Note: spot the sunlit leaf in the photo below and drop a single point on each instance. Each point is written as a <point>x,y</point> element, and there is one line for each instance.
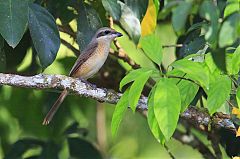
<point>130,22</point>
<point>151,45</point>
<point>131,76</point>
<point>230,30</point>
<point>236,61</point>
<point>231,7</point>
<point>152,121</point>
<point>44,33</point>
<point>180,14</point>
<point>14,17</point>
<point>188,91</point>
<point>166,109</point>
<point>136,89</point>
<point>238,97</point>
<point>149,21</point>
<point>219,90</point>
<point>113,8</point>
<point>195,71</point>
<point>120,108</point>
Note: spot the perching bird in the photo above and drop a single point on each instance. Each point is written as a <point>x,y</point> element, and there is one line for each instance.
<point>88,63</point>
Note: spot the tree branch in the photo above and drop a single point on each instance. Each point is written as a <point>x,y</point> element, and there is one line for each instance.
<point>199,117</point>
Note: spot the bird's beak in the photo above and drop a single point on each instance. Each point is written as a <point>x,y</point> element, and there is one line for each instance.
<point>118,34</point>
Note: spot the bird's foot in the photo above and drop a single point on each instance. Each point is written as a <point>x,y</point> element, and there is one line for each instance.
<point>88,83</point>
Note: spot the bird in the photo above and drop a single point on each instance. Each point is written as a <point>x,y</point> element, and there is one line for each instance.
<point>88,63</point>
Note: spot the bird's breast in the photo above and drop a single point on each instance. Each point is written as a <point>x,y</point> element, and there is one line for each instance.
<point>92,65</point>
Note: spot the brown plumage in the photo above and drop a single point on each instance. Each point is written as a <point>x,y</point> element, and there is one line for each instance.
<point>88,63</point>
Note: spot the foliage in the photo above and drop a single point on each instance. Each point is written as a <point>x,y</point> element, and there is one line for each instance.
<point>205,72</point>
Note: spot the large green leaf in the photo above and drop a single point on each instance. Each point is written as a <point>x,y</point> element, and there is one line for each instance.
<point>188,91</point>
<point>219,90</point>
<point>136,89</point>
<point>2,55</point>
<point>113,8</point>
<point>211,13</point>
<point>167,106</point>
<point>238,96</point>
<point>79,148</point>
<point>152,120</point>
<point>44,33</point>
<point>232,6</point>
<point>120,108</point>
<point>151,45</point>
<point>167,9</point>
<point>180,14</point>
<point>13,20</point>
<point>88,23</point>
<point>131,76</point>
<point>194,70</point>
<point>130,22</point>
<point>236,61</point>
<point>139,7</point>
<point>230,30</point>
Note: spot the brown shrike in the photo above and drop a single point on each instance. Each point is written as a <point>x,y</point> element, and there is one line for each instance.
<point>88,63</point>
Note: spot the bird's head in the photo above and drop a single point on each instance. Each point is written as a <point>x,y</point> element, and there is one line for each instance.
<point>107,34</point>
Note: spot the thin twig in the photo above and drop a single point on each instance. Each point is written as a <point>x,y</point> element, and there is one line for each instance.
<point>173,45</point>
<point>194,142</point>
<point>68,30</point>
<point>71,47</point>
<point>168,151</point>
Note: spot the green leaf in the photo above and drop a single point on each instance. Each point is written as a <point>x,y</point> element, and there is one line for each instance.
<point>195,71</point>
<point>44,33</point>
<point>131,76</point>
<point>136,89</point>
<point>230,30</point>
<point>130,22</point>
<point>211,13</point>
<point>152,120</point>
<point>2,55</point>
<point>138,7</point>
<point>152,47</point>
<point>195,46</point>
<point>167,106</point>
<point>232,6</point>
<point>238,96</point>
<point>13,21</point>
<point>118,113</point>
<point>79,148</point>
<point>188,91</point>
<point>236,61</point>
<point>113,8</point>
<point>180,14</point>
<point>167,9</point>
<point>219,90</point>
<point>88,23</point>
<point>21,146</point>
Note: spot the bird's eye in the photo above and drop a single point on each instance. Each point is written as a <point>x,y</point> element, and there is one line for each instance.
<point>107,32</point>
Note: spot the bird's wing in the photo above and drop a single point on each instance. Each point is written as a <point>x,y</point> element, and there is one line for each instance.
<point>86,53</point>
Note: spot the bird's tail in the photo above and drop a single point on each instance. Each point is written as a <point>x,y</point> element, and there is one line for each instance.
<point>55,107</point>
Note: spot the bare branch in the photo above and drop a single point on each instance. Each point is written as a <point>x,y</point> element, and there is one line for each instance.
<point>199,117</point>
